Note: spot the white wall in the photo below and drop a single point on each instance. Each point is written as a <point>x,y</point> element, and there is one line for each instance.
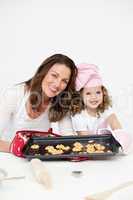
<point>93,31</point>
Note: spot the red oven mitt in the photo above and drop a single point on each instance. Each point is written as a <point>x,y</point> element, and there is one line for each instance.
<point>22,137</point>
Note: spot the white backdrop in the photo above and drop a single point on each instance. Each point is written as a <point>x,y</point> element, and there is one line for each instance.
<point>93,31</point>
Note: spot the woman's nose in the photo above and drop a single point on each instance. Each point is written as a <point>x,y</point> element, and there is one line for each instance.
<point>57,83</point>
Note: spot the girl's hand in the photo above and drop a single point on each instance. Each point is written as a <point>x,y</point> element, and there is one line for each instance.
<point>124,138</point>
<point>113,122</point>
<point>85,132</point>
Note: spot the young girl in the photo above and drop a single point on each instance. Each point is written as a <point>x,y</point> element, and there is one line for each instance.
<point>94,111</point>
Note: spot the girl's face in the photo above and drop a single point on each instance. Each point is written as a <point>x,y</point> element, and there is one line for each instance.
<point>92,97</point>
<point>56,80</point>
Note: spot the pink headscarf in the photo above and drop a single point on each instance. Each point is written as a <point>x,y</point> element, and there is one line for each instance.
<point>88,76</point>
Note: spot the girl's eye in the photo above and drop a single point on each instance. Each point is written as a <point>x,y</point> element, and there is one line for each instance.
<point>98,92</point>
<point>88,93</point>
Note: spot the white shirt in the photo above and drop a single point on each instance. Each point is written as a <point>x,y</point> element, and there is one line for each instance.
<point>85,122</point>
<point>14,117</point>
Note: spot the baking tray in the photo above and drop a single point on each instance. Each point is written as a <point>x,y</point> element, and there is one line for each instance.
<point>106,140</point>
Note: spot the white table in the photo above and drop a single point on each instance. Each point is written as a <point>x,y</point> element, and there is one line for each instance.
<point>97,176</point>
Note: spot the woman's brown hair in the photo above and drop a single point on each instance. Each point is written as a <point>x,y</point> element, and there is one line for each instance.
<point>78,104</point>
<point>60,105</point>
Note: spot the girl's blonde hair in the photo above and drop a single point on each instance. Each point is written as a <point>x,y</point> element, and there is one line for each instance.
<point>107,101</point>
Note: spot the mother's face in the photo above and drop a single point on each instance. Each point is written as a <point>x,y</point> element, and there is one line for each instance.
<point>56,80</point>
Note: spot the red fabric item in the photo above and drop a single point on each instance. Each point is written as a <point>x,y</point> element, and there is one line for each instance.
<point>78,159</point>
<point>22,137</point>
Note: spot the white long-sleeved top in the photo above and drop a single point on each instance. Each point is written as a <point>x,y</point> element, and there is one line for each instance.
<point>14,117</point>
<point>85,122</point>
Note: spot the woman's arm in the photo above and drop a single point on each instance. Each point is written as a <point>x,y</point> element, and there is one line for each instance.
<point>65,126</point>
<point>4,146</point>
<point>113,122</point>
<point>8,103</point>
<point>80,125</point>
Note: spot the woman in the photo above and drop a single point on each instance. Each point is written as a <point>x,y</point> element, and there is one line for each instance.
<point>39,102</point>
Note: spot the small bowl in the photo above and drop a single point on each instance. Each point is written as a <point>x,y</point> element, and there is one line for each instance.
<point>3,174</point>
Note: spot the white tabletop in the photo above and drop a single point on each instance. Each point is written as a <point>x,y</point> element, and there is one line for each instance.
<point>97,175</point>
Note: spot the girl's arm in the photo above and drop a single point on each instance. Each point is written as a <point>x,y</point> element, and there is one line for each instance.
<point>85,133</point>
<point>113,122</point>
<point>79,123</point>
<point>65,126</point>
<point>4,146</point>
<point>121,135</point>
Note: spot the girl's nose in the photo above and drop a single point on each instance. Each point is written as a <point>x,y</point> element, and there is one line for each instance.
<point>93,96</point>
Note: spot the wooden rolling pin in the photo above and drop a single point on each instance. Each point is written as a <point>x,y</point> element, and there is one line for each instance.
<point>40,173</point>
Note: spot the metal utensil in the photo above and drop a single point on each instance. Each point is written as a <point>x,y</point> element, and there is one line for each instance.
<point>77,173</point>
<point>13,178</point>
<point>4,176</point>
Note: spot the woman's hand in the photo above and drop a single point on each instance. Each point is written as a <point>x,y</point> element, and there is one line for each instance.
<point>4,146</point>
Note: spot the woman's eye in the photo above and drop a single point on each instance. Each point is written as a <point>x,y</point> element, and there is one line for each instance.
<point>54,75</point>
<point>65,81</point>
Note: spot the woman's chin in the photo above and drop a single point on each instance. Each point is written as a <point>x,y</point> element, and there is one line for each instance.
<point>51,94</point>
